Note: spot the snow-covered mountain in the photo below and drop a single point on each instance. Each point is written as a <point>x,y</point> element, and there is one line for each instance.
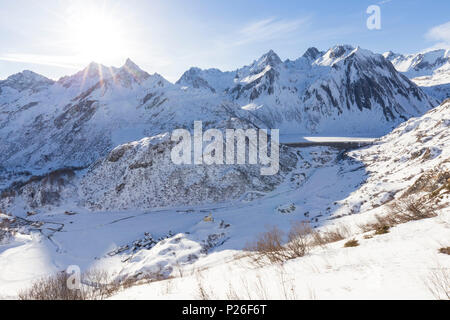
<point>25,83</point>
<point>340,91</point>
<point>80,118</point>
<point>69,127</point>
<point>429,70</point>
<point>46,125</point>
<point>420,64</point>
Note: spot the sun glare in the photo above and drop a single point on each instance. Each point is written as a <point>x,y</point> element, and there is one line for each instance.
<point>96,34</point>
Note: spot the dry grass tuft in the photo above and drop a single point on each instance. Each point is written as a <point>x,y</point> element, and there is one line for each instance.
<point>339,233</point>
<point>352,243</point>
<point>382,229</point>
<point>438,282</point>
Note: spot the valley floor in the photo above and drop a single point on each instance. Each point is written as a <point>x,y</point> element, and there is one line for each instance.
<point>203,256</point>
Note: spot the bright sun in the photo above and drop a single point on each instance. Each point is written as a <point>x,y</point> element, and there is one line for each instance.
<point>95,34</point>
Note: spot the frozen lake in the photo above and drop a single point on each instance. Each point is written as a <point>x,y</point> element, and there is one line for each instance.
<point>338,142</point>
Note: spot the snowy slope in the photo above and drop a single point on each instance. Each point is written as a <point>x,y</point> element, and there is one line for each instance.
<point>398,265</point>
<point>412,160</point>
<point>417,152</point>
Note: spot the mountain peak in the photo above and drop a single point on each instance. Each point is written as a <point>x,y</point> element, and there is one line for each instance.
<point>29,75</point>
<point>132,69</point>
<point>94,68</point>
<point>129,64</point>
<point>335,54</point>
<point>269,58</point>
<point>26,80</point>
<point>389,55</point>
<point>312,53</point>
<point>340,50</point>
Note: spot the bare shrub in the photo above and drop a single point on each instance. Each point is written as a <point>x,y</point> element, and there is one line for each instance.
<point>99,285</point>
<point>299,240</point>
<point>383,221</point>
<point>269,247</point>
<point>400,211</point>
<point>438,282</point>
<point>52,288</point>
<point>382,224</point>
<point>95,285</point>
<point>366,227</point>
<point>143,278</point>
<point>261,289</point>
<point>410,209</point>
<point>445,250</point>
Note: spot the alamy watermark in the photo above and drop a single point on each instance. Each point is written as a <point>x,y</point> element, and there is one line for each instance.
<point>74,277</point>
<point>374,20</point>
<point>228,150</point>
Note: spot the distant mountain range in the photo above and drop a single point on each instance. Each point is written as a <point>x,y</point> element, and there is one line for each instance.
<point>78,119</point>
<point>429,70</point>
<point>344,90</point>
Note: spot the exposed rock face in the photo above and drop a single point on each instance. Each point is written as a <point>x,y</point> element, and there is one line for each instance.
<point>141,175</point>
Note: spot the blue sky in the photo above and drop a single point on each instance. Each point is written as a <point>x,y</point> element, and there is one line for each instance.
<point>60,37</point>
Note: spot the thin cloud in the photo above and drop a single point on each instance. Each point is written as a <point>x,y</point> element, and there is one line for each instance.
<point>440,33</point>
<point>54,61</point>
<point>269,29</point>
